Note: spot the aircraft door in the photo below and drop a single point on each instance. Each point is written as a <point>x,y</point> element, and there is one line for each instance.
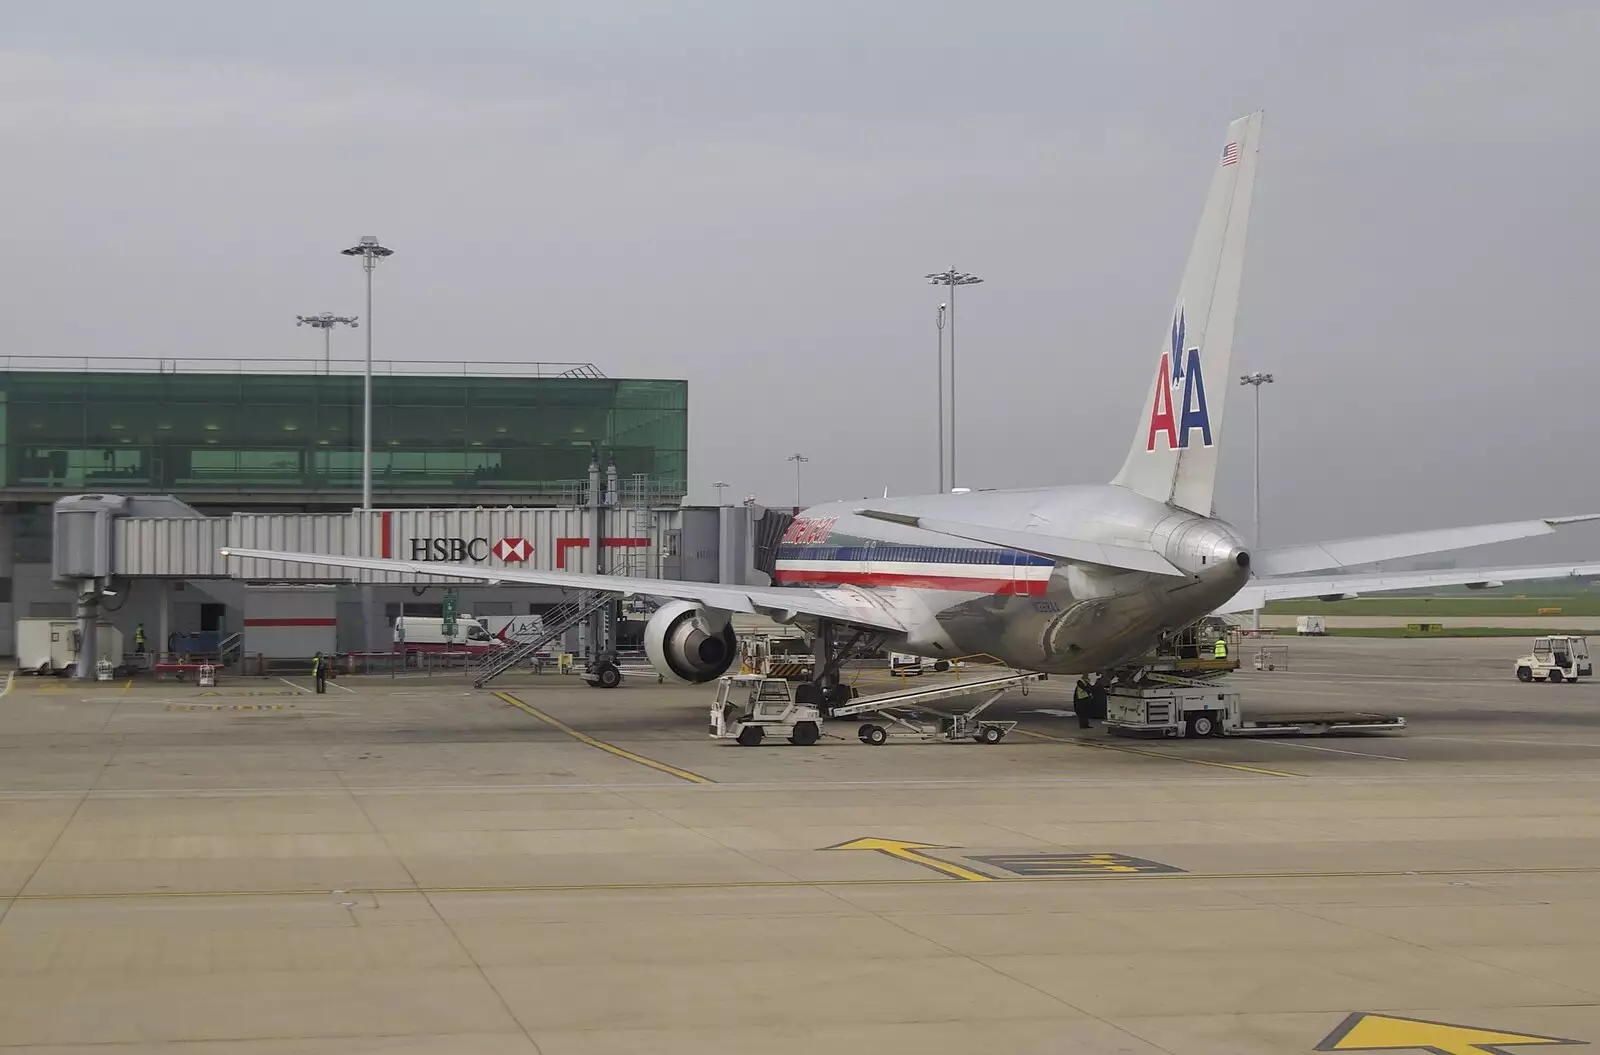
<point>1028,575</point>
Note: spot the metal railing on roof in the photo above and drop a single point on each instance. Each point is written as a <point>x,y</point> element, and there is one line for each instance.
<point>305,365</point>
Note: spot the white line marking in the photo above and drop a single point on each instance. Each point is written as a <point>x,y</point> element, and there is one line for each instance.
<point>1493,740</point>
<point>1412,778</point>
<point>293,686</point>
<point>1332,750</point>
<point>336,685</point>
<point>1293,675</point>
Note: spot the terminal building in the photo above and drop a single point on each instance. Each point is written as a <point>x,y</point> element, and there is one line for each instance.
<point>481,462</point>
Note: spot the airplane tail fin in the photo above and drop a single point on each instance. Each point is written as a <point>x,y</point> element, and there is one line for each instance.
<point>1174,454</point>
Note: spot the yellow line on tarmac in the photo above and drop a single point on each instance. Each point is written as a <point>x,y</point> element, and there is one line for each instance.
<point>585,738</point>
<point>904,850</point>
<point>1157,754</point>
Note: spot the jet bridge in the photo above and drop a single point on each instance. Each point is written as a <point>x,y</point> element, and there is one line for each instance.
<point>102,542</point>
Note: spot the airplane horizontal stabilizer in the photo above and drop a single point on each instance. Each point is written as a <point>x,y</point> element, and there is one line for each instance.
<point>1261,591</point>
<point>1349,553</point>
<point>1056,547</point>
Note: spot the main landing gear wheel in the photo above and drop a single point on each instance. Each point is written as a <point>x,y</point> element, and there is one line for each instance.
<point>805,734</point>
<point>876,735</point>
<point>751,736</point>
<point>990,734</point>
<point>607,676</point>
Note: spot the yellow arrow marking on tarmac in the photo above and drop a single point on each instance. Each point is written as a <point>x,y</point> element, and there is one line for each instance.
<point>1364,1032</point>
<point>907,851</point>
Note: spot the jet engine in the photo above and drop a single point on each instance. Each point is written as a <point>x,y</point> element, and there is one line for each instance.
<point>689,642</point>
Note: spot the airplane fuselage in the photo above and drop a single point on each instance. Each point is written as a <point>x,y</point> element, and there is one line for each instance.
<point>965,598</point>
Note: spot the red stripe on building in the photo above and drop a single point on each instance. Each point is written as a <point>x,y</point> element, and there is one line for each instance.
<point>967,584</point>
<point>583,543</point>
<point>383,532</point>
<point>291,622</point>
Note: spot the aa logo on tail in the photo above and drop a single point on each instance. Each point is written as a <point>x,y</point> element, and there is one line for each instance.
<point>1179,370</point>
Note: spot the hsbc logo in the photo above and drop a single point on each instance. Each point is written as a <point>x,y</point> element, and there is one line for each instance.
<point>475,550</point>
<point>513,550</point>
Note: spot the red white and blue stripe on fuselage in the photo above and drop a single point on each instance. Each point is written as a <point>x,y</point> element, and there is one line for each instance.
<point>965,569</point>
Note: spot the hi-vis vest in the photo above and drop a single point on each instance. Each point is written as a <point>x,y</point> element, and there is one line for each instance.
<point>1220,649</point>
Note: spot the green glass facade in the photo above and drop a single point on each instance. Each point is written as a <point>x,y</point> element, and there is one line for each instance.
<point>189,432</point>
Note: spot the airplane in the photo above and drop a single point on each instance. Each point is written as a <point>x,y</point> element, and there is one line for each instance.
<point>1060,580</point>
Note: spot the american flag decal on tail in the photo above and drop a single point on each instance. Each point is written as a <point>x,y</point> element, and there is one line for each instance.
<point>1230,153</point>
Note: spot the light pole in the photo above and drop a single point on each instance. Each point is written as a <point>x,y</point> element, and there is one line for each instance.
<point>1255,381</point>
<point>799,460</point>
<point>326,322</point>
<point>938,323</point>
<point>370,253</point>
<point>952,278</point>
<point>720,486</point>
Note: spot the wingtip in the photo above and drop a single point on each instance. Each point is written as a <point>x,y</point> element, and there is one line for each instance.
<point>1582,518</point>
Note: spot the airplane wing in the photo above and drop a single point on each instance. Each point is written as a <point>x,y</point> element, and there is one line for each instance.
<point>1054,546</point>
<point>842,605</point>
<point>1348,553</point>
<point>1260,591</point>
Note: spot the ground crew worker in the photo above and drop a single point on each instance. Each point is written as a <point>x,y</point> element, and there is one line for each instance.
<point>1099,698</point>
<point>1083,701</point>
<point>319,671</point>
<point>138,640</point>
<point>1220,649</point>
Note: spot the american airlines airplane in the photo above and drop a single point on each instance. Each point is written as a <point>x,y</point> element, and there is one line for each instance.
<point>1064,580</point>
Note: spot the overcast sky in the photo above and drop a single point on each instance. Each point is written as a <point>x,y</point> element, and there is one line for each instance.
<point>747,194</point>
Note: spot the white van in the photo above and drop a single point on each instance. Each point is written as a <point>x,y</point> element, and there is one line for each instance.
<point>418,633</point>
<point>509,629</point>
<point>904,664</point>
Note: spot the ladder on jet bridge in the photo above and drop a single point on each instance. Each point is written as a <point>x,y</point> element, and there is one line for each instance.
<point>556,623</point>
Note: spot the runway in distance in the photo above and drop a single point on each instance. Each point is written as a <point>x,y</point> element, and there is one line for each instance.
<point>1064,580</point>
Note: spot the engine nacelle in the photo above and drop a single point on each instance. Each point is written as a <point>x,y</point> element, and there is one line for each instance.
<point>689,642</point>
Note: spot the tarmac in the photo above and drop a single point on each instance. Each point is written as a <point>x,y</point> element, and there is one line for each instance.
<point>410,865</point>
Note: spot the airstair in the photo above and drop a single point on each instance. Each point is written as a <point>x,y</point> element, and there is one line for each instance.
<point>556,623</point>
<point>230,648</point>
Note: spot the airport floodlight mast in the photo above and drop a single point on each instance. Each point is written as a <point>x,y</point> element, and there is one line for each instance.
<point>721,487</point>
<point>370,253</point>
<point>799,460</point>
<point>326,322</point>
<point>952,278</point>
<point>1255,381</point>
<point>938,323</point>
